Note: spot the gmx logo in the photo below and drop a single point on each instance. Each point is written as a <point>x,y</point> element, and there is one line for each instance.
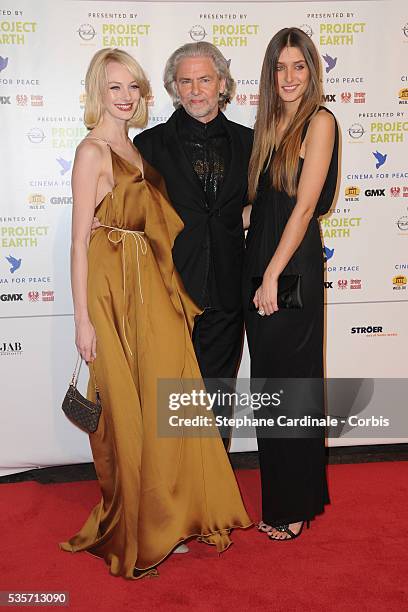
<point>14,263</point>
<point>381,159</point>
<point>330,62</point>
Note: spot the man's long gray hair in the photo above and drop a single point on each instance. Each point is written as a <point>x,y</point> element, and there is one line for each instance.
<point>199,49</point>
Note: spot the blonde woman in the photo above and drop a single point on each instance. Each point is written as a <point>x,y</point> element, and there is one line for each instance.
<point>133,321</point>
<point>292,180</point>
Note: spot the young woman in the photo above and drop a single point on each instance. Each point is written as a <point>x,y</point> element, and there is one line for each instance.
<point>292,180</point>
<point>133,321</point>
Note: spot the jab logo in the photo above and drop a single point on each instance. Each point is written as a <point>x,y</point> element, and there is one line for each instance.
<point>330,62</point>
<point>381,159</point>
<point>327,253</point>
<point>11,348</point>
<point>14,263</point>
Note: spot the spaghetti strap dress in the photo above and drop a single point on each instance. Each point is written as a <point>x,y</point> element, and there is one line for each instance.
<point>289,345</point>
<point>156,491</point>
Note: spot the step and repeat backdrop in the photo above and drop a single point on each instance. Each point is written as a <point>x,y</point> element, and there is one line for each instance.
<point>45,48</point>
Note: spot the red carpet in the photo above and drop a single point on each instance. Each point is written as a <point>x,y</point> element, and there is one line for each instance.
<point>354,557</point>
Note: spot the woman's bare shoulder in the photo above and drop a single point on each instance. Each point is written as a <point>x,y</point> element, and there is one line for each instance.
<point>322,121</point>
<point>90,151</point>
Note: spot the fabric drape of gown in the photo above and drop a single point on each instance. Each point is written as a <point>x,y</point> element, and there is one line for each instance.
<point>289,345</point>
<point>156,491</point>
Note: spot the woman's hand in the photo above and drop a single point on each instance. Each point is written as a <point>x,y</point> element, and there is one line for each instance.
<point>85,340</point>
<point>266,296</point>
<point>95,224</point>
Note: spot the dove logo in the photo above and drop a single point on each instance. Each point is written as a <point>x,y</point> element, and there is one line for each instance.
<point>65,165</point>
<point>3,63</point>
<point>330,62</point>
<point>197,33</point>
<point>381,159</point>
<point>14,263</point>
<point>327,253</point>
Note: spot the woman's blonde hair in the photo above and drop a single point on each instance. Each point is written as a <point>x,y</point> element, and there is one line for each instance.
<point>283,170</point>
<point>96,83</point>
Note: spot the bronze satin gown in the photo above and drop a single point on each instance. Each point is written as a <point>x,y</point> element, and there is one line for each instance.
<point>156,492</point>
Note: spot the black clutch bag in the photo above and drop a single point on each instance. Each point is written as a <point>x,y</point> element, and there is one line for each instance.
<point>82,412</point>
<point>289,291</point>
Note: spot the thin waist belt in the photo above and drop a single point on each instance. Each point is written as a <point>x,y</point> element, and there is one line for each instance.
<point>141,244</point>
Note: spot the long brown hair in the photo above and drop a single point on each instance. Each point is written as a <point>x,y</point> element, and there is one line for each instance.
<point>283,171</point>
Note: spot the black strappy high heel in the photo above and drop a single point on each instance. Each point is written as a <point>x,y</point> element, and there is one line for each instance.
<point>291,534</point>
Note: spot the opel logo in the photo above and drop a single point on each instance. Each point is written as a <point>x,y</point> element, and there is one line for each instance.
<point>86,31</point>
<point>356,131</point>
<point>197,33</point>
<point>35,135</point>
<point>307,30</point>
<point>402,223</point>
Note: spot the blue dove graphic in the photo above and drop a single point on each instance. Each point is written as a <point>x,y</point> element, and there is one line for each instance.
<point>15,263</point>
<point>330,61</point>
<point>65,165</point>
<point>380,159</point>
<point>3,63</point>
<point>328,253</point>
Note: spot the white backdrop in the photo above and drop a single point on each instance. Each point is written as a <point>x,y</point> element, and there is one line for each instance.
<point>45,47</point>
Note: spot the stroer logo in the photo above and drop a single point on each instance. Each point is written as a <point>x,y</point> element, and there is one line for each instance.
<point>370,329</point>
<point>11,348</point>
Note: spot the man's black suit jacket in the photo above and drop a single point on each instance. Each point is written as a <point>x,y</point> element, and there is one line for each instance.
<point>161,147</point>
